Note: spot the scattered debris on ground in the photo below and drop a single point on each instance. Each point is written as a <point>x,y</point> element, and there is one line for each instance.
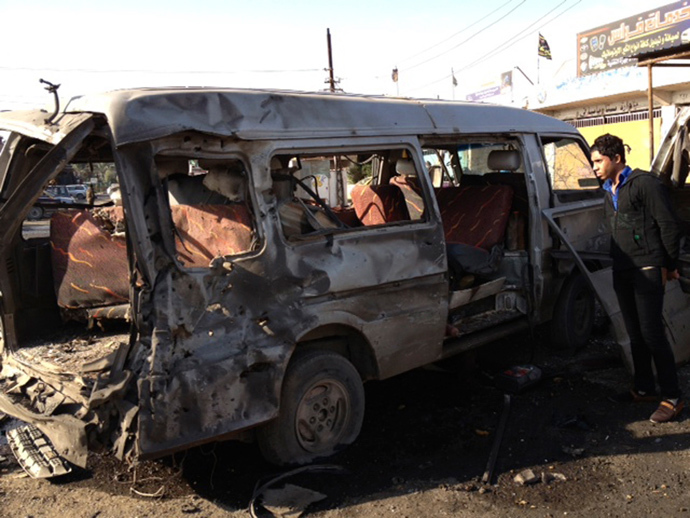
<point>424,446</point>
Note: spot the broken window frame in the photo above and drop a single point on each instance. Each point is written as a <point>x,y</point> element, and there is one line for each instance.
<point>337,149</point>
<point>195,146</point>
<point>592,183</point>
<point>455,171</point>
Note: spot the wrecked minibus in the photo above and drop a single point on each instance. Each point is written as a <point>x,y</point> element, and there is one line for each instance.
<point>272,252</point>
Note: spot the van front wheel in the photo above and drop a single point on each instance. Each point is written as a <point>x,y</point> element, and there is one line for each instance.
<point>321,410</point>
<point>573,315</point>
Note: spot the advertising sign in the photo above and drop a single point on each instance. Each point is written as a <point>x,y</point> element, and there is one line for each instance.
<point>505,87</point>
<point>612,45</point>
<point>492,91</point>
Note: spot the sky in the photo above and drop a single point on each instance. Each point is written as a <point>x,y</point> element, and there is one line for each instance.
<point>93,46</point>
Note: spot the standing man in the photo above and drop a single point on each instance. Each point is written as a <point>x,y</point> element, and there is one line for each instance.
<point>645,243</point>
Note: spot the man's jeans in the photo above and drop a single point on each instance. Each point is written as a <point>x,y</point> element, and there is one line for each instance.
<point>640,295</point>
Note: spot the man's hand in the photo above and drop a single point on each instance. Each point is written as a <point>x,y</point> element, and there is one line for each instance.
<point>668,276</point>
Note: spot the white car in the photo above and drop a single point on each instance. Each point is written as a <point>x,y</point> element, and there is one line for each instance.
<point>78,191</point>
<point>51,199</point>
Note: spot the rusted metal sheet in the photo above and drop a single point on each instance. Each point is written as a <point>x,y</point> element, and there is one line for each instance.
<point>67,433</point>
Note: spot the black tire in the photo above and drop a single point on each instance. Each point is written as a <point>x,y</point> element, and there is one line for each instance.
<point>573,314</point>
<point>321,410</point>
<point>35,213</point>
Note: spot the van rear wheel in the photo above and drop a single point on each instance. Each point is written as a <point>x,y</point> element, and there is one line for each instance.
<point>321,410</point>
<point>573,315</point>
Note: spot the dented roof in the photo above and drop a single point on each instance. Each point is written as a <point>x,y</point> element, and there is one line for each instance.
<point>142,114</point>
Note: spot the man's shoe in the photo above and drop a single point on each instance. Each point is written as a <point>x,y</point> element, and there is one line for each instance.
<point>666,411</point>
<point>632,396</point>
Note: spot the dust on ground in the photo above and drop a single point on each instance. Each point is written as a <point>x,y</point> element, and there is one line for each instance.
<point>423,449</point>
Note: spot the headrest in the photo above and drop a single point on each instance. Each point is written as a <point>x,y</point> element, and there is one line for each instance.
<point>504,160</point>
<point>405,166</point>
<point>228,183</point>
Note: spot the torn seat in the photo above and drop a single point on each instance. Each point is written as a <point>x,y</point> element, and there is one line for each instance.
<point>379,204</point>
<point>474,224</point>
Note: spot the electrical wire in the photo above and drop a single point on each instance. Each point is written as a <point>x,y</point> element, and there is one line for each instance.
<point>504,46</point>
<point>134,71</point>
<point>467,39</point>
<point>508,43</point>
<point>454,35</point>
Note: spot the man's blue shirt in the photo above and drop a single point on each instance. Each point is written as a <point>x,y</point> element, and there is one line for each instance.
<point>608,185</point>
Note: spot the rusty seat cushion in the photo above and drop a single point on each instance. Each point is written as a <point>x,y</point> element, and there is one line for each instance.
<point>412,191</point>
<point>207,231</point>
<point>379,204</point>
<point>90,267</point>
<point>475,215</point>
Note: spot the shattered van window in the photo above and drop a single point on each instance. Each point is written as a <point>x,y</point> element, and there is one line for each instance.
<point>468,160</point>
<point>568,166</point>
<point>319,193</point>
<point>211,208</point>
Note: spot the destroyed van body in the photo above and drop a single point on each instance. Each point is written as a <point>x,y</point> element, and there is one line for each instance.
<point>273,251</point>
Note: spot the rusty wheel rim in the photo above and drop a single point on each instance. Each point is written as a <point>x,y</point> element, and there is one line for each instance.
<point>322,415</point>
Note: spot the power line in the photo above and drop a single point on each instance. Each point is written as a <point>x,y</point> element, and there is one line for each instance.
<point>456,34</point>
<point>505,45</point>
<point>468,39</point>
<point>134,71</point>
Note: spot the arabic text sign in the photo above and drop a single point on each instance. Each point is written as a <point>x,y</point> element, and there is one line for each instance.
<point>612,45</point>
<point>484,94</point>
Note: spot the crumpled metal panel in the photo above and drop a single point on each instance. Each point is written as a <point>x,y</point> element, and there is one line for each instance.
<point>138,115</point>
<point>67,433</point>
<point>222,335</point>
<point>32,123</point>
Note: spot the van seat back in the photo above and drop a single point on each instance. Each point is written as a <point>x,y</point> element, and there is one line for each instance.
<point>90,267</point>
<point>412,191</point>
<point>379,204</point>
<point>208,231</point>
<point>475,215</point>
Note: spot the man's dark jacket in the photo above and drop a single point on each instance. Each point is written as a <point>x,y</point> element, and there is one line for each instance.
<point>644,229</point>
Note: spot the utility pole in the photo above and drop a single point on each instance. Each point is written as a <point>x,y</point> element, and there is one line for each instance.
<point>331,79</point>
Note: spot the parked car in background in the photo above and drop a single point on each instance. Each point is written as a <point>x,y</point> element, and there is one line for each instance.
<point>78,191</point>
<point>60,191</point>
<point>49,202</point>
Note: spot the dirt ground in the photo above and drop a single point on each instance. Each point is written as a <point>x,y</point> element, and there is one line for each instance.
<point>424,447</point>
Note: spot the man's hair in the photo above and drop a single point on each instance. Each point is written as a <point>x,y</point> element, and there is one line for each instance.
<point>610,146</point>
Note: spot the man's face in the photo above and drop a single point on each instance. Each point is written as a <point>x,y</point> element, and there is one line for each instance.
<point>604,167</point>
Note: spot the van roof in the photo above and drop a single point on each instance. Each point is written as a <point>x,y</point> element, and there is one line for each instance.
<point>142,114</point>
